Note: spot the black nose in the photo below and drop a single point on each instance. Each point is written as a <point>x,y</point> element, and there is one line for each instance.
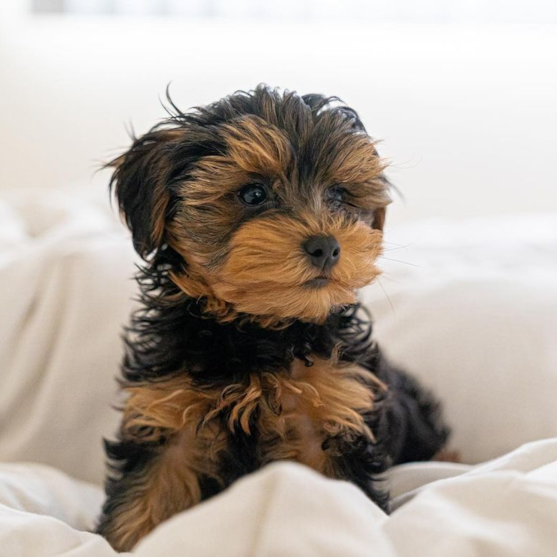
<point>323,251</point>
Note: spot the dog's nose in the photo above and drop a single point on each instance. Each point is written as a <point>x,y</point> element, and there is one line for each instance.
<point>323,251</point>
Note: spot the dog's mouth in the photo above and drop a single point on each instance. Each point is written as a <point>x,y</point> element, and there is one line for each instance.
<point>318,282</point>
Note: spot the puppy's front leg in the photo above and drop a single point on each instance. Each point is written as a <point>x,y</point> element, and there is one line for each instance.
<point>167,458</point>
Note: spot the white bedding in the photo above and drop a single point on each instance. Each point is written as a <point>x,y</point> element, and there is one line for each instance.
<point>477,321</point>
<point>504,508</point>
<point>65,292</point>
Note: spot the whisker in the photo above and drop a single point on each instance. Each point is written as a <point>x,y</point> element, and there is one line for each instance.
<point>398,246</point>
<point>387,296</point>
<point>387,276</point>
<point>392,249</point>
<point>403,262</point>
<point>402,245</point>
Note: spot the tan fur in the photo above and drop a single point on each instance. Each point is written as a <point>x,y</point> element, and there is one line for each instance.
<point>359,164</point>
<point>342,392</point>
<point>170,486</point>
<point>258,147</point>
<point>317,403</point>
<point>293,413</point>
<point>267,270</point>
<point>172,481</point>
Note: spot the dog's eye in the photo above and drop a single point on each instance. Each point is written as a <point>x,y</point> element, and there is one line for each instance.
<point>253,194</point>
<point>335,195</point>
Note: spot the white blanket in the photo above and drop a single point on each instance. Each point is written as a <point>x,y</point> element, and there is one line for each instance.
<point>504,508</point>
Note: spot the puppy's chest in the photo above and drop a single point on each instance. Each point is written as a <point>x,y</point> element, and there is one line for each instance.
<point>291,414</point>
<point>318,404</point>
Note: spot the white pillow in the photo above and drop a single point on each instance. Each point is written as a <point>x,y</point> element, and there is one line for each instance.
<point>471,309</point>
<point>65,292</point>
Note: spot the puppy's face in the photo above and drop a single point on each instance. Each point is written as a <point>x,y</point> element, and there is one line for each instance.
<point>274,201</point>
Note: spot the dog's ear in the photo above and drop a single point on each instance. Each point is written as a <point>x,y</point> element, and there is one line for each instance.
<point>380,213</point>
<point>140,184</point>
<point>379,218</point>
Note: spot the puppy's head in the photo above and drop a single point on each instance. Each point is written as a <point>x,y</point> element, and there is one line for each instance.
<point>274,201</point>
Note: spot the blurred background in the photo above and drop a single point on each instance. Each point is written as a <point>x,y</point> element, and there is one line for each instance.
<point>462,93</point>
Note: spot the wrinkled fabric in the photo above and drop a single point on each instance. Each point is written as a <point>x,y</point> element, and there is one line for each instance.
<point>507,507</point>
<point>66,289</point>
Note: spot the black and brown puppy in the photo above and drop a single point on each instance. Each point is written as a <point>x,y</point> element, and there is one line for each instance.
<point>259,217</point>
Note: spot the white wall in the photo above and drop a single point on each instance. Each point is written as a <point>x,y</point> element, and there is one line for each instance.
<point>468,115</point>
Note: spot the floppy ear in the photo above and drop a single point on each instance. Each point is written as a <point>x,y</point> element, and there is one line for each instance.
<point>379,218</point>
<point>380,213</point>
<point>140,184</point>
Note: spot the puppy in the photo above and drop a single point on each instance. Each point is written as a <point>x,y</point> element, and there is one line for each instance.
<point>258,218</point>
